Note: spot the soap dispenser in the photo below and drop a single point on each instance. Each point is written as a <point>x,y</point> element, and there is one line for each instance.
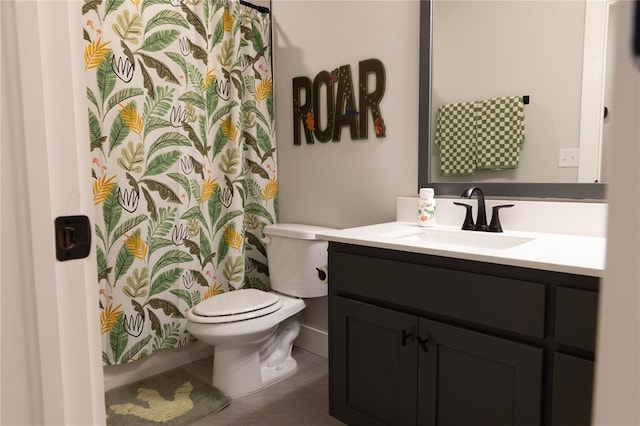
<point>427,208</point>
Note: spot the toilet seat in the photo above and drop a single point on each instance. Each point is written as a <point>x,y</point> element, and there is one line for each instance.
<point>237,305</point>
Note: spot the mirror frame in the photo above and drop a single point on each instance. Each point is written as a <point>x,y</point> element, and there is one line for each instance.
<point>592,191</point>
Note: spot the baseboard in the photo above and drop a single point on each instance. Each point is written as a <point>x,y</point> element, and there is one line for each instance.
<point>313,340</point>
<point>168,359</point>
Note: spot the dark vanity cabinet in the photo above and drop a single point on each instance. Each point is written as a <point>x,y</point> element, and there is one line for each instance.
<point>416,339</point>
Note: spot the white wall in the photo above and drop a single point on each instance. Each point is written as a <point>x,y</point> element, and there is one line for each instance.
<point>347,183</point>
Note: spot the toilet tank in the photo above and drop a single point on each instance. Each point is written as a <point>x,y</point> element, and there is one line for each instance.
<point>297,260</point>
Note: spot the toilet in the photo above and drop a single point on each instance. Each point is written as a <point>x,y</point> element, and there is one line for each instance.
<point>252,331</point>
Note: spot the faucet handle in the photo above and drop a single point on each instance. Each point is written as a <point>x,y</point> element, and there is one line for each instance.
<point>495,225</point>
<point>468,224</point>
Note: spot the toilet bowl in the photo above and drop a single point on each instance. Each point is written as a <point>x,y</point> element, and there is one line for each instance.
<point>252,331</point>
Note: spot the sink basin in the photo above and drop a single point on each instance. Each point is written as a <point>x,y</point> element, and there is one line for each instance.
<point>495,241</point>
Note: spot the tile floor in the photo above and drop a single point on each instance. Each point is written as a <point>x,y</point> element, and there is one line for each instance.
<point>302,399</point>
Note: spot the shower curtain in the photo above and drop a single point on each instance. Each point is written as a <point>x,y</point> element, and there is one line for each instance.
<point>183,161</point>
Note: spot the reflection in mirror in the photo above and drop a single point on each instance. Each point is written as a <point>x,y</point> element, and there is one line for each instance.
<point>614,15</point>
<point>488,49</point>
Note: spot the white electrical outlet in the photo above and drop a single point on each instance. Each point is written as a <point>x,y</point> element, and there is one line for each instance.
<point>569,157</point>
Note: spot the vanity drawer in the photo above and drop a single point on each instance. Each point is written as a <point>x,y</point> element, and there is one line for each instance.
<point>576,317</point>
<point>509,304</point>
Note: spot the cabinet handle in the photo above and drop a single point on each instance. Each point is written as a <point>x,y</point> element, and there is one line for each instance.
<point>405,335</point>
<point>423,343</point>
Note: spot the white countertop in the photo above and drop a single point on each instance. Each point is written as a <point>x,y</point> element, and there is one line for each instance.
<point>571,254</point>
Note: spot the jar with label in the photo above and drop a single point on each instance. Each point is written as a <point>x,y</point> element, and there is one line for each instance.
<point>427,207</point>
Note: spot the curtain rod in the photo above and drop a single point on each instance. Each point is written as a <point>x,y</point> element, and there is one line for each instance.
<point>261,9</point>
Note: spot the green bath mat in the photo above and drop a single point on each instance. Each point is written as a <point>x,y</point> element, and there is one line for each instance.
<point>175,397</point>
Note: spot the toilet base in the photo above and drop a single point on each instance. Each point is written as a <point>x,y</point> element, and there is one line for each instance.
<point>240,371</point>
<point>273,375</point>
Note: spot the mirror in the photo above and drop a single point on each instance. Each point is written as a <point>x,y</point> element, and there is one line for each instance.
<point>556,117</point>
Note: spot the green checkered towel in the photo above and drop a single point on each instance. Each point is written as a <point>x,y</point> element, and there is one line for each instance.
<point>480,135</point>
<point>456,137</point>
<point>499,132</point>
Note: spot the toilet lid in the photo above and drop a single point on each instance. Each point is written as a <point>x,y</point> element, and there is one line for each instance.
<point>238,305</point>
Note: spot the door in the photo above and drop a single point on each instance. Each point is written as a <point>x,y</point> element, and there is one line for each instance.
<point>51,361</point>
<point>617,370</point>
<point>373,359</point>
<point>469,378</point>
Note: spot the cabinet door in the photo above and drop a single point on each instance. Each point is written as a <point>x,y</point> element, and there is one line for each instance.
<point>572,390</point>
<point>469,378</point>
<point>373,364</point>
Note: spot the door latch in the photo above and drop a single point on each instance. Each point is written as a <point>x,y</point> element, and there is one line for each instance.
<point>73,237</point>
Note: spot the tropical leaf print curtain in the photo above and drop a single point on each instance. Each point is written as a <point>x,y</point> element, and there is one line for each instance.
<point>183,161</point>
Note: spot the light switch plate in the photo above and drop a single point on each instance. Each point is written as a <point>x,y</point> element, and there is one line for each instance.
<point>569,157</point>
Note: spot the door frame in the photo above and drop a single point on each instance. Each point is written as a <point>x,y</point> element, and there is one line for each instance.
<point>593,79</point>
<point>50,110</point>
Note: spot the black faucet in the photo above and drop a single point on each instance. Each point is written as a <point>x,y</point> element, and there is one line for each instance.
<point>481,217</point>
